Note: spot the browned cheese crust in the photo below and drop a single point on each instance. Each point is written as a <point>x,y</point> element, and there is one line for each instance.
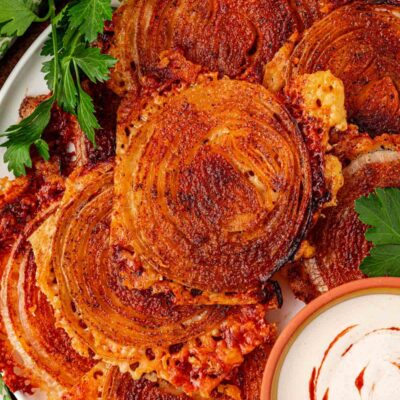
<point>104,382</point>
<point>147,277</point>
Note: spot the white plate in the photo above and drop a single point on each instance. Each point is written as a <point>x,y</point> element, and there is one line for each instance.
<point>27,80</point>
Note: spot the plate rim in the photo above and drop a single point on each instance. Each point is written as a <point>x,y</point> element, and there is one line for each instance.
<point>5,92</point>
<point>33,48</point>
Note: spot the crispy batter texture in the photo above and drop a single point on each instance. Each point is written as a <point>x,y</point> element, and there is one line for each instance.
<point>104,382</point>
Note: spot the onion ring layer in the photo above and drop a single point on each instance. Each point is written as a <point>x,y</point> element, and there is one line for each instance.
<point>33,351</point>
<point>339,241</point>
<point>213,189</point>
<point>42,353</point>
<point>233,37</point>
<point>192,347</point>
<point>360,44</point>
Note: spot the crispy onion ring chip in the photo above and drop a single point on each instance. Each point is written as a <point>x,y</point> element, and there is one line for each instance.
<point>338,239</point>
<point>233,37</point>
<point>41,352</point>
<point>34,353</point>
<point>213,189</point>
<point>192,347</point>
<point>80,249</point>
<point>360,44</point>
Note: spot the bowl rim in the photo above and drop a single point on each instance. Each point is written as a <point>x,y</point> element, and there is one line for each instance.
<point>311,311</point>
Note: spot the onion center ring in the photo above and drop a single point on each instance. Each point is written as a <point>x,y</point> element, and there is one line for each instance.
<point>214,188</point>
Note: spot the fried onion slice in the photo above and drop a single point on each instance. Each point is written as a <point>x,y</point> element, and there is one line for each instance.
<point>40,352</point>
<point>192,347</point>
<point>213,186</point>
<point>360,44</point>
<point>233,37</point>
<point>34,353</point>
<point>338,237</point>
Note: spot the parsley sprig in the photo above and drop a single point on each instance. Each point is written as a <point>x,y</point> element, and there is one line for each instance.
<point>4,392</point>
<point>381,211</point>
<point>72,57</point>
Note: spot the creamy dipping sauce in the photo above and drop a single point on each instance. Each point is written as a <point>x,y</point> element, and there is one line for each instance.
<point>349,352</point>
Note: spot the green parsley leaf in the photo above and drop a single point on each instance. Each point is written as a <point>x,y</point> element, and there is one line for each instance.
<point>22,136</point>
<point>4,392</point>
<point>47,49</point>
<point>381,211</point>
<point>384,260</point>
<point>67,99</point>
<point>88,17</point>
<point>48,70</point>
<point>73,29</point>
<point>95,65</point>
<point>86,117</point>
<point>42,148</point>
<point>61,16</point>
<point>16,17</point>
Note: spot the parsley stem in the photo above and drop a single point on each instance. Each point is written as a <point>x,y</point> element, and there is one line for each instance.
<point>52,10</point>
<point>78,82</point>
<point>44,18</point>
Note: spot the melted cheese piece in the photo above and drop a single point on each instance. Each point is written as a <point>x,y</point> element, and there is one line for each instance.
<point>334,177</point>
<point>275,71</point>
<point>323,96</point>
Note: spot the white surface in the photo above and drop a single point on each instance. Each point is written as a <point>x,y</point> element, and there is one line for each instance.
<point>26,79</point>
<point>378,351</point>
<point>291,306</point>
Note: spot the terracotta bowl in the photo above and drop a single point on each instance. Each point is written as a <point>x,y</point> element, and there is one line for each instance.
<point>308,314</point>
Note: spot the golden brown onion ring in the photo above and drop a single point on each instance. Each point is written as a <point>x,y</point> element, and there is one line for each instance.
<point>33,352</point>
<point>213,189</point>
<point>360,44</point>
<point>339,241</point>
<point>234,37</point>
<point>87,285</point>
<point>41,353</point>
<point>193,347</point>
